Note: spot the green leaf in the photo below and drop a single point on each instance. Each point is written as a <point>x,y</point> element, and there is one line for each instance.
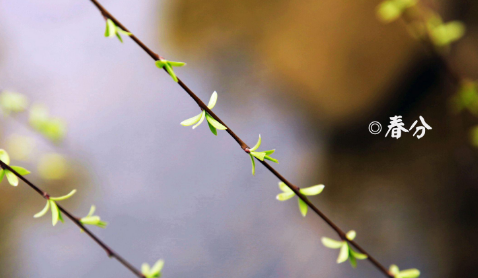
<point>2,174</point>
<point>4,157</point>
<point>270,158</point>
<point>92,210</point>
<point>253,165</point>
<point>257,145</point>
<point>43,211</point>
<point>343,254</point>
<point>110,28</point>
<point>212,101</point>
<point>55,212</point>
<point>409,273</point>
<point>177,64</point>
<point>203,116</point>
<point>394,270</point>
<point>330,243</point>
<point>284,187</point>
<point>20,170</point>
<point>171,71</point>
<point>302,207</point>
<point>352,260</point>
<point>145,269</point>
<point>313,190</point>
<point>285,196</point>
<point>269,152</point>
<point>259,155</point>
<point>64,197</point>
<point>123,32</point>
<point>12,178</point>
<point>158,266</point>
<point>215,123</point>
<point>357,255</point>
<point>212,128</point>
<point>119,37</point>
<point>192,120</point>
<point>351,235</point>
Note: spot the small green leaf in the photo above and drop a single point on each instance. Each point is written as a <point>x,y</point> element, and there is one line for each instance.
<point>285,196</point>
<point>253,165</point>
<point>212,128</point>
<point>409,273</point>
<point>203,116</point>
<point>302,207</point>
<point>284,187</point>
<point>171,72</point>
<point>110,28</point>
<point>352,260</point>
<point>394,270</point>
<point>259,155</point>
<point>178,64</point>
<point>92,210</point>
<point>357,255</point>
<point>4,157</point>
<point>270,158</point>
<point>64,197</point>
<point>192,120</point>
<point>145,269</point>
<point>257,145</point>
<point>344,253</point>
<point>2,174</point>
<point>215,123</point>
<point>269,152</point>
<point>43,211</point>
<point>351,235</point>
<point>20,170</point>
<point>313,190</point>
<point>12,178</point>
<point>212,100</point>
<point>330,243</point>
<point>122,32</point>
<point>55,212</point>
<point>119,37</point>
<point>156,269</point>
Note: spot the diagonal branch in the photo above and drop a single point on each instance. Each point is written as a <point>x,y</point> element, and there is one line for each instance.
<point>109,251</point>
<point>243,145</point>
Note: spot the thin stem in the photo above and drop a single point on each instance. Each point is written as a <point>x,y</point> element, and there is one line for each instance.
<point>243,145</point>
<point>44,194</point>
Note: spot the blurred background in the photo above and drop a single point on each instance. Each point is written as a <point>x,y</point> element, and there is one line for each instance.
<point>309,76</point>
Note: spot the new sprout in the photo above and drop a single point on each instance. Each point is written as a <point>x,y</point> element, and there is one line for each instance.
<point>11,177</point>
<point>346,252</point>
<point>55,211</point>
<point>287,193</point>
<point>197,120</point>
<point>260,155</point>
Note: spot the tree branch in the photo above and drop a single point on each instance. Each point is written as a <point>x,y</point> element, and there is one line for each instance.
<point>243,145</point>
<point>109,251</point>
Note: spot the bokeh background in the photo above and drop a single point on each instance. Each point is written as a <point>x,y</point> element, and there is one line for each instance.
<point>309,76</point>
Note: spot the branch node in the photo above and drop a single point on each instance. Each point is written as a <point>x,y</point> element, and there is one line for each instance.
<point>46,196</point>
<point>247,150</point>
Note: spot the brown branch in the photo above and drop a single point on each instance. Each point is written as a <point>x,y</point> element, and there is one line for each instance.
<point>243,145</point>
<point>109,251</point>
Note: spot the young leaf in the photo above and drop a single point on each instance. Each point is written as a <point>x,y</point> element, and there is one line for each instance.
<point>212,128</point>
<point>4,157</point>
<point>352,260</point>
<point>55,212</point>
<point>357,255</point>
<point>110,28</point>
<point>302,207</point>
<point>192,120</point>
<point>284,187</point>
<point>156,269</point>
<point>64,197</point>
<point>20,170</point>
<point>212,100</point>
<point>253,165</point>
<point>259,155</point>
<point>351,235</point>
<point>330,243</point>
<point>145,269</point>
<point>344,253</point>
<point>203,116</point>
<point>270,158</point>
<point>285,196</point>
<point>257,145</point>
<point>215,123</point>
<point>12,178</point>
<point>313,190</point>
<point>43,211</point>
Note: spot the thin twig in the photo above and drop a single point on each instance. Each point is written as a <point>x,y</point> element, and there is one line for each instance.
<point>244,146</point>
<point>109,251</point>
